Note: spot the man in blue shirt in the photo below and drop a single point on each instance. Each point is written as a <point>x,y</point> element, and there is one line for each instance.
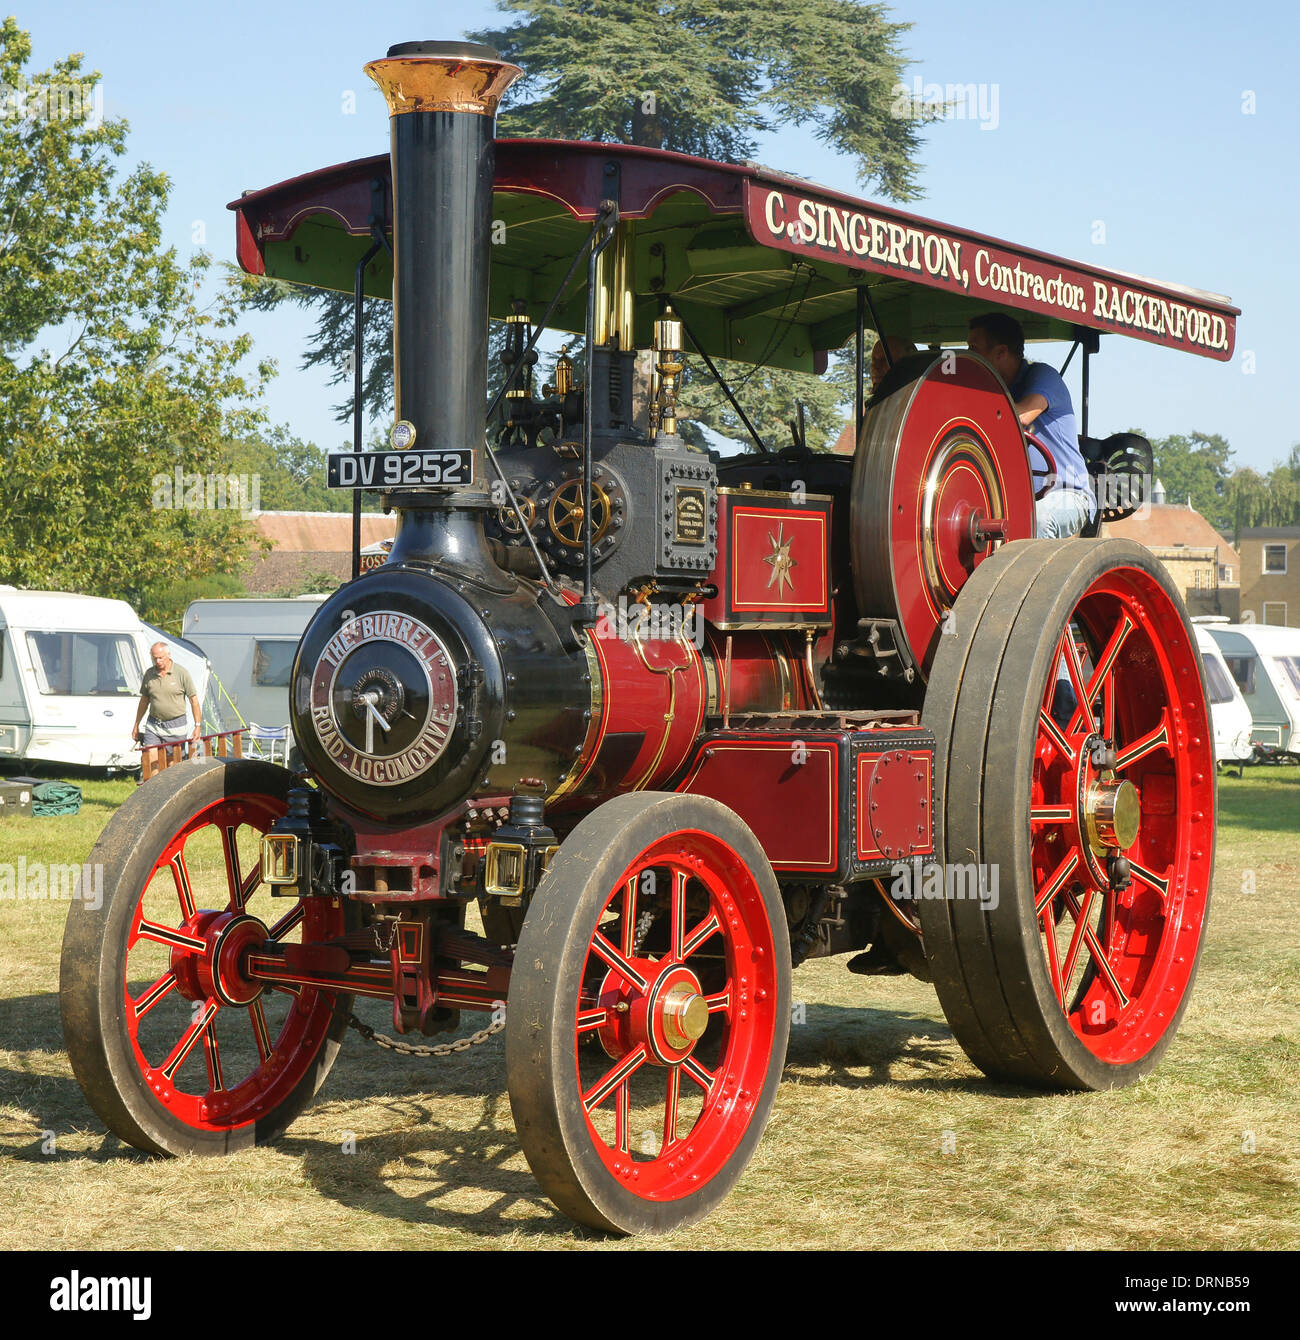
<point>1044,408</point>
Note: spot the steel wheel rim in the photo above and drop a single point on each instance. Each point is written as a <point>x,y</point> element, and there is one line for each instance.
<point>285,1053</point>
<point>741,1016</point>
<point>1122,966</point>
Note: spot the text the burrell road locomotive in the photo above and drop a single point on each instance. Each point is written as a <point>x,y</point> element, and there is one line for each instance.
<point>673,723</point>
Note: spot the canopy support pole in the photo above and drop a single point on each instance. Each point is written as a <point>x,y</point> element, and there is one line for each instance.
<point>1083,419</point>
<point>585,612</point>
<point>1089,341</point>
<point>859,411</point>
<point>358,352</point>
<point>865,292</point>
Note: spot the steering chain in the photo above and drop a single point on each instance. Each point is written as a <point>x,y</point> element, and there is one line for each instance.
<point>426,1049</point>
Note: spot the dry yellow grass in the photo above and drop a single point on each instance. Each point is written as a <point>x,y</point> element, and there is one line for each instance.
<point>852,1157</point>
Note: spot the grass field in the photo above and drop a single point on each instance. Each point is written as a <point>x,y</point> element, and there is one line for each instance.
<point>1205,1153</point>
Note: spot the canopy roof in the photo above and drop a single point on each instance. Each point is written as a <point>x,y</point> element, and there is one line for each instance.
<point>764,267</point>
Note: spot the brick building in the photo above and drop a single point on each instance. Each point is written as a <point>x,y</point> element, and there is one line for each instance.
<point>1270,574</point>
<point>309,544</point>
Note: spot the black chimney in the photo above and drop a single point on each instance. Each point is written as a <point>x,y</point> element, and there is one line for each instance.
<point>442,99</point>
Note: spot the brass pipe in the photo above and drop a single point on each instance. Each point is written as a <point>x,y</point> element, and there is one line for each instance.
<point>614,292</point>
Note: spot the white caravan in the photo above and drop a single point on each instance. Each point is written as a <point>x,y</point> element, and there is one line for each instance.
<point>1230,717</point>
<point>250,643</point>
<point>70,673</point>
<point>1264,659</point>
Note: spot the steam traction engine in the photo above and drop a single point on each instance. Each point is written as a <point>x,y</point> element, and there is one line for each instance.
<point>670,723</point>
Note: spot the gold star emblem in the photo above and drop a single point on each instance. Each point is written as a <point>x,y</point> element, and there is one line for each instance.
<point>780,561</point>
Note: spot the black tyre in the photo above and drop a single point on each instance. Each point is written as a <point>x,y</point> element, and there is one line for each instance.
<point>1088,802</point>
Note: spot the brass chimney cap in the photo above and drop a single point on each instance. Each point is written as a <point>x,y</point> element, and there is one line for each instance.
<point>442,77</point>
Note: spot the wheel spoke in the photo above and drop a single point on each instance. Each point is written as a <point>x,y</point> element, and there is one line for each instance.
<point>679,914</point>
<point>1108,707</point>
<point>1080,929</point>
<point>261,1033</point>
<point>1053,732</point>
<point>720,1002</point>
<point>166,935</point>
<point>1051,814</point>
<point>184,890</point>
<point>1160,883</point>
<point>709,926</point>
<point>1154,739</point>
<point>188,1040</point>
<point>212,1055</point>
<point>615,1077</point>
<point>704,1078</point>
<point>1048,923</point>
<point>1106,663</point>
<point>589,1019</point>
<point>253,880</point>
<point>670,1106</point>
<point>620,1117</point>
<point>154,994</point>
<point>629,916</point>
<point>603,949</point>
<point>287,922</point>
<point>1056,881</point>
<point>1071,653</point>
<point>231,852</point>
<point>1098,953</point>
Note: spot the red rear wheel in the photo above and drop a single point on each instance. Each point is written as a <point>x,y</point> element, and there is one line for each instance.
<point>1073,732</point>
<point>176,1049</point>
<point>645,1040</point>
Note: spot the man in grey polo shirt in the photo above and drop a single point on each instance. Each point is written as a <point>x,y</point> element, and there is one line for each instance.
<point>163,694</point>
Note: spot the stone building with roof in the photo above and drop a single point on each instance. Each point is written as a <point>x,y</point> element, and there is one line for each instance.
<point>1205,567</point>
<point>1270,574</point>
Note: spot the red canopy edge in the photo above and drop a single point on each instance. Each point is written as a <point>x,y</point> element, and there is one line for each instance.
<point>787,214</point>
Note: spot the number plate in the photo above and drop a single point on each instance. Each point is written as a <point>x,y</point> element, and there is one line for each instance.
<point>399,469</point>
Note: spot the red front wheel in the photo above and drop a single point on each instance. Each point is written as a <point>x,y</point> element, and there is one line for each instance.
<point>1076,758</point>
<point>175,1048</point>
<point>649,1013</point>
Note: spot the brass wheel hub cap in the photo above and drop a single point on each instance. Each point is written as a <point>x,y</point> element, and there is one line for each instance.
<point>684,1015</point>
<point>1112,814</point>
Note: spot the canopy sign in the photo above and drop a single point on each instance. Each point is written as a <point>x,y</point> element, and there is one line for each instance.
<point>889,242</point>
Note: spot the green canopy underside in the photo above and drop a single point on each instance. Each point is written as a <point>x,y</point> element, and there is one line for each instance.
<point>741,301</point>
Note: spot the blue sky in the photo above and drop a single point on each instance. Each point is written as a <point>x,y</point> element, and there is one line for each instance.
<point>1131,119</point>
